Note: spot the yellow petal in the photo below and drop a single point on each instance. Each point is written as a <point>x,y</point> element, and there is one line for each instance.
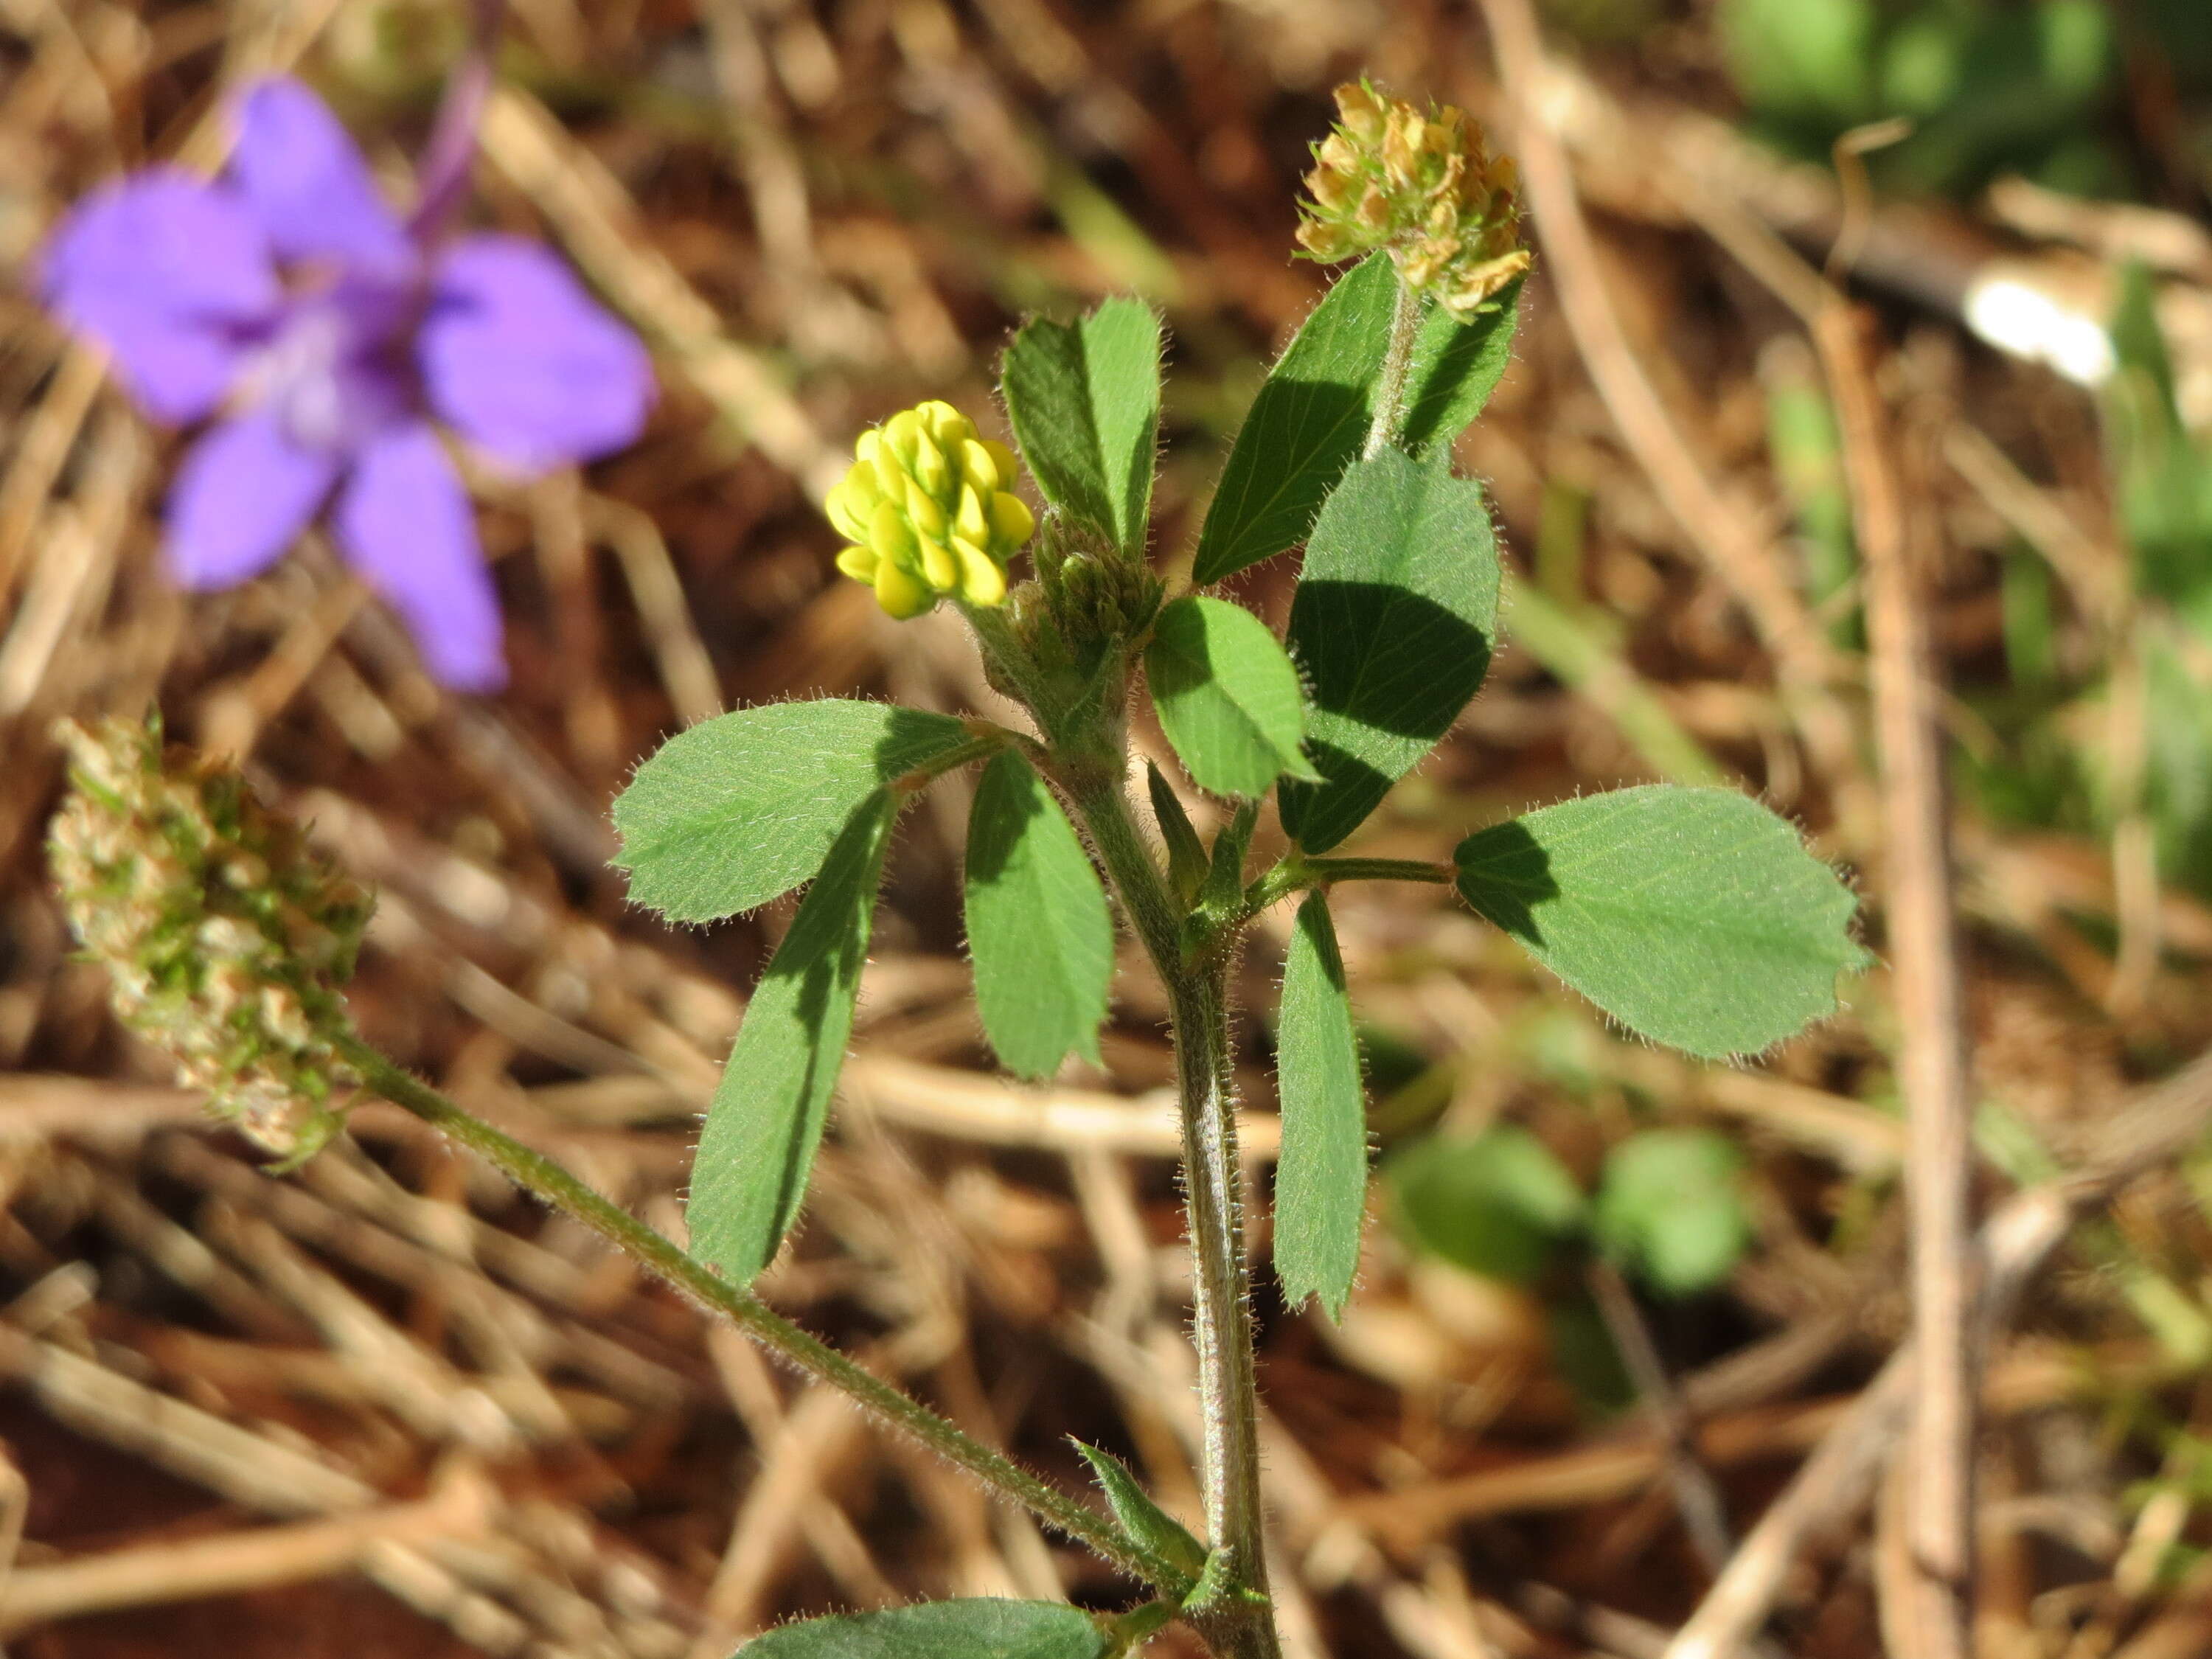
<point>890,473</point>
<point>982,580</point>
<point>1011,521</point>
<point>850,504</point>
<point>1003,459</point>
<point>901,592</point>
<point>858,562</point>
<point>890,536</point>
<point>932,470</point>
<point>969,520</point>
<point>927,517</point>
<point>979,468</point>
<point>938,568</point>
<point>903,432</point>
<point>863,447</point>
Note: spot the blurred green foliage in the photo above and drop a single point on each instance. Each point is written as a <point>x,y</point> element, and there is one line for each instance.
<point>1669,1211</point>
<point>1990,86</point>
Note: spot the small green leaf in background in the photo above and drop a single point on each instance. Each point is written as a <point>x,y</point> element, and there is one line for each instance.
<point>1038,930</point>
<point>1227,697</point>
<point>1805,64</point>
<point>1145,1522</point>
<point>1321,1180</point>
<point>983,1628</point>
<point>745,807</point>
<point>749,1177</point>
<point>2164,478</point>
<point>1695,917</point>
<point>1396,608</point>
<point>1455,367</point>
<point>1670,1209</point>
<point>1498,1203</point>
<point>1085,401</point>
<point>1307,423</point>
<point>1187,862</point>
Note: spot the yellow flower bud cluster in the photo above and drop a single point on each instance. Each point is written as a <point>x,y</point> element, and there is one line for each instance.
<point>929,510</point>
<point>1423,186</point>
<point>225,939</point>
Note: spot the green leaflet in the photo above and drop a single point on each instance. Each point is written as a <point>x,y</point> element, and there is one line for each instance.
<point>1227,697</point>
<point>1311,417</point>
<point>1396,612</point>
<point>1455,367</point>
<point>749,1177</point>
<point>743,807</point>
<point>1085,401</point>
<point>1321,1180</point>
<point>1496,1203</point>
<point>1038,930</point>
<point>977,1629</point>
<point>1670,1209</point>
<point>1308,421</point>
<point>1695,917</point>
<point>1144,1521</point>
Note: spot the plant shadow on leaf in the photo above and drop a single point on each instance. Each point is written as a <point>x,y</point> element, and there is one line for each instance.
<point>1434,663</point>
<point>1437,659</point>
<point>1513,874</point>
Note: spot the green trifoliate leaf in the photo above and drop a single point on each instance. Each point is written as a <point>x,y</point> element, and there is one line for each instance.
<point>743,807</point>
<point>1038,930</point>
<point>1187,864</point>
<point>1321,1180</point>
<point>1496,1203</point>
<point>979,1629</point>
<point>1396,608</point>
<point>1085,401</point>
<point>749,1177</point>
<point>1695,917</point>
<point>1145,1522</point>
<point>1455,367</point>
<point>1227,697</point>
<point>1311,417</point>
<point>1670,1209</point>
<point>1307,423</point>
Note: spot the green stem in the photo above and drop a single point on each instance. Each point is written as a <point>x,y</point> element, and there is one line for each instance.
<point>1294,874</point>
<point>1239,1624</point>
<point>543,1178</point>
<point>1397,365</point>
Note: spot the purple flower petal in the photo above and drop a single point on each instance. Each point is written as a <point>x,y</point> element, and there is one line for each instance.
<point>524,363</point>
<point>243,493</point>
<point>299,172</point>
<point>172,276</point>
<point>404,522</point>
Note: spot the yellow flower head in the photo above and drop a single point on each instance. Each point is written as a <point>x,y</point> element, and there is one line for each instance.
<point>929,510</point>
<point>1423,184</point>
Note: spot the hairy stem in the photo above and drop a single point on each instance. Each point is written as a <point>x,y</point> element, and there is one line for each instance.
<point>1239,1624</point>
<point>1397,364</point>
<point>548,1180</point>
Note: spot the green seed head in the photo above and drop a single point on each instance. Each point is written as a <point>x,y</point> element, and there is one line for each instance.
<point>224,938</point>
<point>929,509</point>
<point>1426,187</point>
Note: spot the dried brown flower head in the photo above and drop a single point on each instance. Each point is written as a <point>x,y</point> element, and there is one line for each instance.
<point>224,936</point>
<point>1425,187</point>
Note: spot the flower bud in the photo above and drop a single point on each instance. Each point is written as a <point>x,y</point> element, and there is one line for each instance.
<point>929,509</point>
<point>1423,186</point>
<point>224,938</point>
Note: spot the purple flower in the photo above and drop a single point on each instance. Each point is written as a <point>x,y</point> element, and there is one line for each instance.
<point>328,333</point>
